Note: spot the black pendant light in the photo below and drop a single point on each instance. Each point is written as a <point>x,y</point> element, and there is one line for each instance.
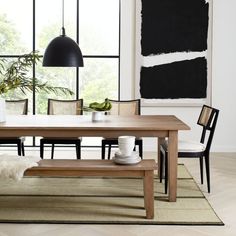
<point>63,51</point>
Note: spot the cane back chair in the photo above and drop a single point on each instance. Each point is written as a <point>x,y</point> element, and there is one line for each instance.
<point>16,107</point>
<point>187,149</point>
<point>127,107</point>
<point>63,107</point>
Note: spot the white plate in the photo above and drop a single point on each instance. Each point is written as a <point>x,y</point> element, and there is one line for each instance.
<point>127,161</point>
<point>119,155</point>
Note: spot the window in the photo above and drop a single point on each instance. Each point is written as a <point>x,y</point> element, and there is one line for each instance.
<point>94,24</point>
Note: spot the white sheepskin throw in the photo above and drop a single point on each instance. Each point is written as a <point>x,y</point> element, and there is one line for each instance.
<point>13,167</point>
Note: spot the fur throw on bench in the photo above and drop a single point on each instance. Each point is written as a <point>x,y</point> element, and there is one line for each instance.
<point>13,167</point>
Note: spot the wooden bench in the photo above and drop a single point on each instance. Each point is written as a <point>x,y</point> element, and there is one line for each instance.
<point>144,169</point>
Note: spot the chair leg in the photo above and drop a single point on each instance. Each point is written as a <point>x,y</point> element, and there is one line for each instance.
<point>161,166</point>
<point>41,149</point>
<point>52,152</point>
<point>207,160</point>
<point>23,149</point>
<point>201,168</point>
<point>78,151</point>
<point>19,148</point>
<point>109,151</point>
<point>103,150</point>
<point>141,150</point>
<point>163,163</point>
<point>166,173</point>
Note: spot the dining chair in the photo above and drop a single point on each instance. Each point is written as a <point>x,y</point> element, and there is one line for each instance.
<point>188,149</point>
<point>63,107</point>
<point>16,107</point>
<point>125,107</point>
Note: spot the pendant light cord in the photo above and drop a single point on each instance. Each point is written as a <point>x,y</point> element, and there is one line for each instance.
<point>63,28</point>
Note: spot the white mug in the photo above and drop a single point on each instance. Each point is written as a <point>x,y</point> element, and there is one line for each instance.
<point>126,145</point>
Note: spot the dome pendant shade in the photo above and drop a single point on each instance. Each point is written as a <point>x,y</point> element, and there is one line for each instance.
<point>63,52</point>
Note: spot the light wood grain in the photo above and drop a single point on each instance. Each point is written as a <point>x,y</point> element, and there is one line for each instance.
<point>76,168</point>
<point>43,125</point>
<point>172,171</point>
<point>148,194</point>
<point>159,126</point>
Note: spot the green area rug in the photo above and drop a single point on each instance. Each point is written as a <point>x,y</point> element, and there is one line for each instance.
<point>102,201</point>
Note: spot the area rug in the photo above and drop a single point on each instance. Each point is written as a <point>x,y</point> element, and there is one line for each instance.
<point>102,201</point>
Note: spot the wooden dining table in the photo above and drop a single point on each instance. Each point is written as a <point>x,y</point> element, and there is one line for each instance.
<point>158,126</point>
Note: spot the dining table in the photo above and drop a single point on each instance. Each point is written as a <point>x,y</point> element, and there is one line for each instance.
<point>160,127</point>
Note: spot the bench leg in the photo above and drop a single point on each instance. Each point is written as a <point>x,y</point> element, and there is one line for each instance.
<point>148,193</point>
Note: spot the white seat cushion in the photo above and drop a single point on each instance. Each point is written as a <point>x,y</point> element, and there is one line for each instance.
<point>189,146</point>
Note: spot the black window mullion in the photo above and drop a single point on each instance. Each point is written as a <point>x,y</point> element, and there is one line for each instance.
<point>33,45</point>
<point>33,72</point>
<point>77,40</point>
<point>119,50</point>
<point>77,90</point>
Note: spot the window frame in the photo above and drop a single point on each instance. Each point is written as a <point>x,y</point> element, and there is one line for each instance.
<point>77,74</point>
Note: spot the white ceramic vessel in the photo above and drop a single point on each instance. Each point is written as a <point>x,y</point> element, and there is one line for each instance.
<point>126,145</point>
<point>97,115</point>
<point>134,158</point>
<point>127,161</point>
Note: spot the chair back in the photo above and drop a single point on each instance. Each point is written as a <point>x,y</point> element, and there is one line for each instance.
<point>17,107</point>
<point>208,119</point>
<point>65,107</point>
<point>127,107</point>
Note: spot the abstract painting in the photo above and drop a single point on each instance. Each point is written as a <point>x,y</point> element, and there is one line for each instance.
<point>173,46</point>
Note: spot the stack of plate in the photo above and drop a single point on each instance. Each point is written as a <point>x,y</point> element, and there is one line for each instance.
<point>134,158</point>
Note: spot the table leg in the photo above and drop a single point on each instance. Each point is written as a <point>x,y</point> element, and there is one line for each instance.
<point>172,164</point>
<point>148,193</point>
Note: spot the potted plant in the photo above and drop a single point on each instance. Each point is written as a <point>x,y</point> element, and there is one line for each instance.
<point>15,75</point>
<point>98,109</point>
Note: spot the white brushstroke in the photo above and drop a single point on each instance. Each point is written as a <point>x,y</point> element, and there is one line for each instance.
<point>154,60</point>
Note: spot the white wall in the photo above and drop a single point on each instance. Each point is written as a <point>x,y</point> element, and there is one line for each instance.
<point>223,76</point>
<point>127,48</point>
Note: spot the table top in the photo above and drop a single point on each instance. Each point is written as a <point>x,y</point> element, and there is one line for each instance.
<point>139,122</point>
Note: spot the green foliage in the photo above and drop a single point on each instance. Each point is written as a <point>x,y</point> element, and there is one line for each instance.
<point>97,79</point>
<point>9,37</point>
<point>96,106</point>
<point>17,76</point>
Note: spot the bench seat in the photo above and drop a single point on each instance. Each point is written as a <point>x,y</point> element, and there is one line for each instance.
<point>76,168</point>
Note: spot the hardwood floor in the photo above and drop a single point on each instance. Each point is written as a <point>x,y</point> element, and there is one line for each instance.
<point>222,198</point>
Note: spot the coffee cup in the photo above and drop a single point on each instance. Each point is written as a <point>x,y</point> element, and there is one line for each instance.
<point>126,145</point>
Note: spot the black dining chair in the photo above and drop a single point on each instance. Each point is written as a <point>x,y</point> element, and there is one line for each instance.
<point>187,149</point>
<point>63,107</point>
<point>16,107</point>
<point>125,107</point>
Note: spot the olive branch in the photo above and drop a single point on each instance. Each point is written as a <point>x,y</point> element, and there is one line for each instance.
<point>17,76</point>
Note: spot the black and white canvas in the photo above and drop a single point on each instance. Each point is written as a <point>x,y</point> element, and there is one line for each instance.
<point>173,57</point>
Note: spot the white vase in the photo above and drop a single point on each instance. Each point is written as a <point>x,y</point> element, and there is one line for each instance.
<point>97,115</point>
<point>2,110</point>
